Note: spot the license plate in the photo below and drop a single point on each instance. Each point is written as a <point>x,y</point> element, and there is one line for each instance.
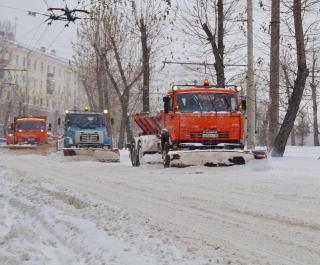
<point>31,139</point>
<point>210,135</point>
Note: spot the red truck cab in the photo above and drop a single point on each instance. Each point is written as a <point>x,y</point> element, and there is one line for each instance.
<point>206,114</point>
<point>198,117</point>
<point>28,130</point>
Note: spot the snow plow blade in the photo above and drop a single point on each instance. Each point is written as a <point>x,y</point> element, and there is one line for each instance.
<point>213,158</point>
<point>29,147</point>
<point>99,154</point>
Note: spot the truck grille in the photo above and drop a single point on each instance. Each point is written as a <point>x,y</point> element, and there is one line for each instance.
<point>89,138</point>
<point>220,134</point>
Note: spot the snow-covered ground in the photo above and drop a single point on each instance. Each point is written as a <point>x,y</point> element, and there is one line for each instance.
<point>55,210</point>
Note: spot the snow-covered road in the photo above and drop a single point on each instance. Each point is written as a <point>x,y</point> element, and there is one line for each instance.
<point>55,210</point>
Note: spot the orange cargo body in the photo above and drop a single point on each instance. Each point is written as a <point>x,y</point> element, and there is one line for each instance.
<point>28,130</point>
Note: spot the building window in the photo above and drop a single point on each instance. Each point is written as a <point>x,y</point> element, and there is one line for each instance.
<point>54,70</point>
<point>17,60</point>
<point>59,72</point>
<point>35,65</point>
<point>42,67</point>
<point>48,69</point>
<point>24,62</point>
<point>29,63</point>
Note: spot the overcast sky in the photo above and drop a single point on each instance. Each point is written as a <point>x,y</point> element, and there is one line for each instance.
<point>33,31</point>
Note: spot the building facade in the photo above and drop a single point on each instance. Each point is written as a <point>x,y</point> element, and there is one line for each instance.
<point>36,81</point>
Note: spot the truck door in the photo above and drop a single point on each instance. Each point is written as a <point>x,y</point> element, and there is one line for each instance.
<point>171,120</point>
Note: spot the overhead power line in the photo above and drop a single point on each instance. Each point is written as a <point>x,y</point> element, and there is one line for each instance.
<point>202,64</point>
<point>28,12</point>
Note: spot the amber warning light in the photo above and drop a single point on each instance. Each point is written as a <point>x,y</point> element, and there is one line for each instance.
<point>206,82</point>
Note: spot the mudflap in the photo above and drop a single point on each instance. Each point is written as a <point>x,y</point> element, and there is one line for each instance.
<point>99,154</point>
<point>212,158</point>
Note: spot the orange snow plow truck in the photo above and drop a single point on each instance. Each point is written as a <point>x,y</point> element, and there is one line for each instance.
<point>199,125</point>
<point>29,132</point>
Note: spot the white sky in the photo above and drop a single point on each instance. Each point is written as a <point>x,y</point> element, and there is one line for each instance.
<point>33,31</point>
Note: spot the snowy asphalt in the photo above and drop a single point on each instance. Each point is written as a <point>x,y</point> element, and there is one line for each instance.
<point>56,210</point>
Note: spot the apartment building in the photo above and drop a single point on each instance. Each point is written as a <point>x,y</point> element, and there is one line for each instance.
<point>36,81</point>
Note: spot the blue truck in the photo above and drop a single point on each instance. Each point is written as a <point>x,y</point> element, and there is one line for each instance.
<point>86,133</point>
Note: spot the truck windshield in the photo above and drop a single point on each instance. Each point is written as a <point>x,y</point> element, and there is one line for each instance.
<point>86,121</point>
<point>207,102</point>
<point>31,125</point>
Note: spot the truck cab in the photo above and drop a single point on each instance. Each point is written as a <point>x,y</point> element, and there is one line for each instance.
<point>28,130</point>
<point>204,117</point>
<point>86,129</point>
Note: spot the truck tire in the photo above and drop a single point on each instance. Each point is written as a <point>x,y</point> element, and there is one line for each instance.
<point>165,156</point>
<point>134,154</point>
<point>139,155</point>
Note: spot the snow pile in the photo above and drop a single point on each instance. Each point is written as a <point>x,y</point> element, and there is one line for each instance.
<point>40,224</point>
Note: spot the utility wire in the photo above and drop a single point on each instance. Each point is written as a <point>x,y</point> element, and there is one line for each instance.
<point>58,35</point>
<point>22,10</point>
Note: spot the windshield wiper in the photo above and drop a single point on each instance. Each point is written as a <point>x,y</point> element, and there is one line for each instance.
<point>197,100</point>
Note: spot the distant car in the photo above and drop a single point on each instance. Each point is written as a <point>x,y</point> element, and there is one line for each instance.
<point>3,140</point>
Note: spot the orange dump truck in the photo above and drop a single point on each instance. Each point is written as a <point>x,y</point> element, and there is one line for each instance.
<point>28,132</point>
<point>199,125</point>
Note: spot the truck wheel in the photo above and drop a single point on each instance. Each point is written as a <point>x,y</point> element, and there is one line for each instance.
<point>165,156</point>
<point>138,154</point>
<point>134,154</point>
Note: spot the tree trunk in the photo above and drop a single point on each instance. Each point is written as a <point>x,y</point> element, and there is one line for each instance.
<point>100,88</point>
<point>274,71</point>
<point>125,121</point>
<point>220,65</point>
<point>106,96</point>
<point>288,92</point>
<point>145,66</point>
<point>122,131</point>
<point>299,85</point>
<point>217,49</point>
<point>314,102</point>
<point>88,94</point>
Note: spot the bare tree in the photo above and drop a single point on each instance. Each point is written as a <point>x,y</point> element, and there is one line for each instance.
<point>299,84</point>
<point>122,65</point>
<point>210,22</point>
<point>148,16</point>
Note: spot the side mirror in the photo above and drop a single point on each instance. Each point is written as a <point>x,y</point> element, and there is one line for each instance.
<point>166,101</point>
<point>244,104</point>
<point>50,127</point>
<point>12,126</point>
<point>59,121</point>
<point>112,121</point>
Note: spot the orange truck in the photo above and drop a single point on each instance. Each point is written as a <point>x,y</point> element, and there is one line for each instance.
<point>199,125</point>
<point>28,131</point>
